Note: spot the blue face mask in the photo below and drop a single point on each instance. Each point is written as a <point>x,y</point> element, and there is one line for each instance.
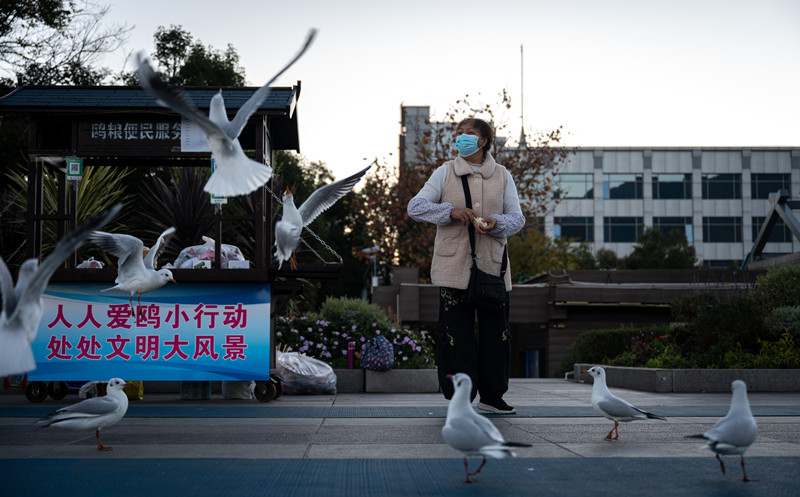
<point>467,145</point>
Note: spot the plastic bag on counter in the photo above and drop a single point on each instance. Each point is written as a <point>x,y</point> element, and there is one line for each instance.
<point>90,263</point>
<point>202,256</point>
<point>238,389</point>
<point>302,374</point>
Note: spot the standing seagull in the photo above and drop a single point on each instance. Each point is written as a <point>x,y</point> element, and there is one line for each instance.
<point>235,173</point>
<point>94,413</point>
<point>469,432</point>
<point>290,226</point>
<point>23,306</point>
<point>611,406</point>
<point>734,433</point>
<point>135,275</point>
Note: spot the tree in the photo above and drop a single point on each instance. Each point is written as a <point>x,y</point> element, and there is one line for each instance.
<point>56,42</point>
<point>385,197</point>
<point>655,250</point>
<point>186,62</point>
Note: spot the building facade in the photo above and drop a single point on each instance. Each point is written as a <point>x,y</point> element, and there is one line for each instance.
<point>717,196</point>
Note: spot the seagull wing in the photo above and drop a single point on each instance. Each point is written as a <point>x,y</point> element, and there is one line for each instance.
<point>325,196</point>
<point>618,408</point>
<point>739,431</point>
<point>233,128</point>
<point>151,258</point>
<point>128,248</point>
<point>64,248</point>
<point>175,99</point>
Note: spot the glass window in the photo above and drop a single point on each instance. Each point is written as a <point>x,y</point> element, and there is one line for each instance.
<point>668,224</point>
<point>579,228</point>
<point>722,229</point>
<point>672,186</point>
<point>780,232</point>
<point>576,185</point>
<point>622,229</point>
<point>622,185</point>
<point>722,186</point>
<point>762,185</point>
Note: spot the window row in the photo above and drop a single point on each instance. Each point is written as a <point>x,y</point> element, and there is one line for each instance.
<point>672,186</point>
<point>628,229</point>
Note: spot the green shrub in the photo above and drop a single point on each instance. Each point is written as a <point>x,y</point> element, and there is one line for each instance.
<point>342,320</point>
<point>714,322</point>
<point>597,346</point>
<point>783,320</point>
<point>778,354</point>
<point>779,287</point>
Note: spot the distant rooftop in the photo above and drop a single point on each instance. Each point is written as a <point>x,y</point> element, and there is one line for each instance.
<point>49,98</point>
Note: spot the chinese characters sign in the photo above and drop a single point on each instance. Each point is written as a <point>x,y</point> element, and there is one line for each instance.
<point>180,332</point>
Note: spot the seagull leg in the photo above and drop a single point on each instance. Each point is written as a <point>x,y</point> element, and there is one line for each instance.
<point>479,468</point>
<point>100,446</point>
<point>744,472</point>
<point>721,464</point>
<point>609,437</point>
<point>138,304</point>
<point>293,262</point>
<point>616,430</point>
<point>131,302</point>
<point>466,470</point>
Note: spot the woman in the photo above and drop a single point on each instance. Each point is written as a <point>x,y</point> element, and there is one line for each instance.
<point>494,202</point>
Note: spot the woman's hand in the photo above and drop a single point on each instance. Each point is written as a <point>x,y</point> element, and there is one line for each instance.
<point>485,227</point>
<point>463,214</point>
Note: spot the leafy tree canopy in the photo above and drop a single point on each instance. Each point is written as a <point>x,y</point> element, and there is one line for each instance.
<point>49,42</point>
<point>655,250</point>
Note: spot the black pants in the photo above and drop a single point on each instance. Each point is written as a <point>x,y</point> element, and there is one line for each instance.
<point>485,360</point>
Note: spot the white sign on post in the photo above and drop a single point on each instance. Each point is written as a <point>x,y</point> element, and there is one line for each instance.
<point>215,199</point>
<point>193,139</point>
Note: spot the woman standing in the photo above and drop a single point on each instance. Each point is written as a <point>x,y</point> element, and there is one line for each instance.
<point>495,205</point>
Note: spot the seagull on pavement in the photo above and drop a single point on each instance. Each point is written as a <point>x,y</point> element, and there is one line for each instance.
<point>467,431</point>
<point>235,173</point>
<point>611,406</point>
<point>135,275</point>
<point>293,219</point>
<point>94,413</point>
<point>734,433</point>
<point>23,305</point>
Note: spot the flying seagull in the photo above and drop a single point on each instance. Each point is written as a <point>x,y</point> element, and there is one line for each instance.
<point>611,406</point>
<point>293,219</point>
<point>134,274</point>
<point>235,173</point>
<point>94,413</point>
<point>22,304</point>
<point>467,431</point>
<point>734,433</point>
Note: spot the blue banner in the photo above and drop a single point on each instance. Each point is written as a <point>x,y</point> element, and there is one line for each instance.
<point>181,332</point>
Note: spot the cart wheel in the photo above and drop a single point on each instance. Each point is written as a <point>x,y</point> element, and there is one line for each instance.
<point>36,391</point>
<point>278,385</point>
<point>58,389</point>
<point>265,391</point>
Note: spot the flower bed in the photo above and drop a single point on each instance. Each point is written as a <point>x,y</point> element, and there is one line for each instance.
<point>341,321</point>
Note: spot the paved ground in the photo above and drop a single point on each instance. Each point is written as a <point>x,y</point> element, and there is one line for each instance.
<point>391,444</point>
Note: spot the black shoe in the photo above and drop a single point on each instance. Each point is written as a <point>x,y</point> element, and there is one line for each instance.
<point>496,407</point>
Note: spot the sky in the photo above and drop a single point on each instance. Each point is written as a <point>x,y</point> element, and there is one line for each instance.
<point>612,73</point>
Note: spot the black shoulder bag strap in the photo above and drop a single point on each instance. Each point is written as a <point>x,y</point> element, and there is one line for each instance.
<point>468,197</point>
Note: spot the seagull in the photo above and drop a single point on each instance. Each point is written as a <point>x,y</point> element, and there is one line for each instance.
<point>94,413</point>
<point>467,431</point>
<point>23,306</point>
<point>289,227</point>
<point>135,275</point>
<point>734,433</point>
<point>611,406</point>
<point>235,173</point>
